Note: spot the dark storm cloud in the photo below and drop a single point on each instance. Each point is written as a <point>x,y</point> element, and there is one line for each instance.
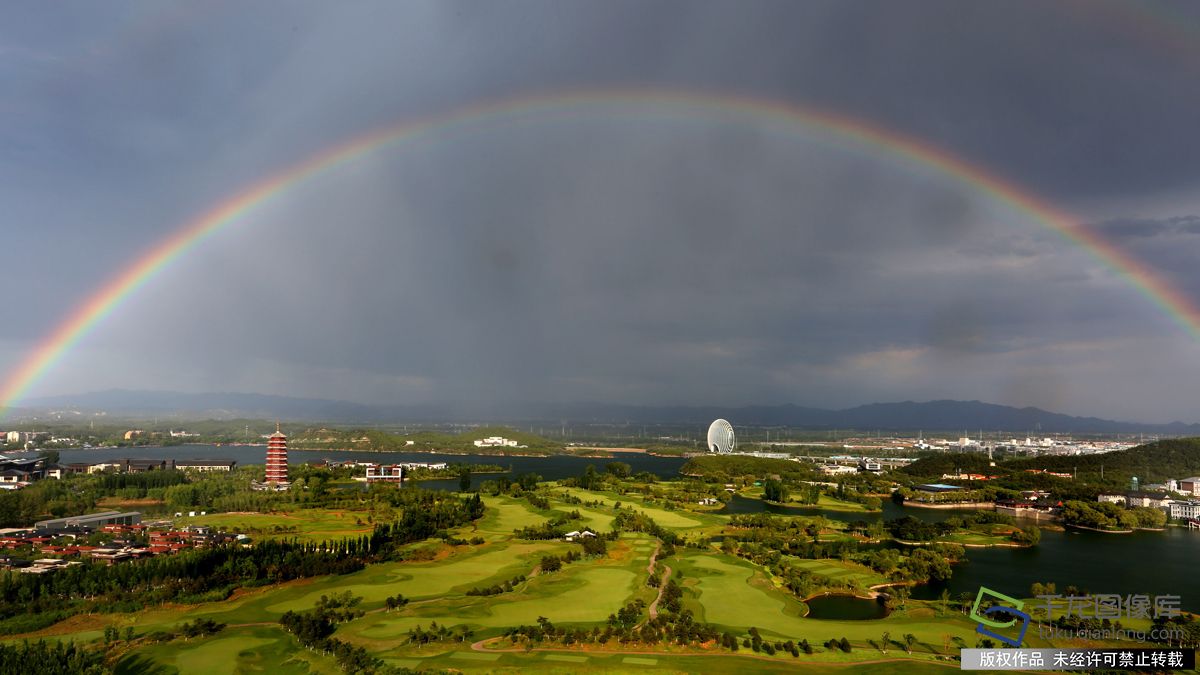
<point>615,255</point>
<point>1138,228</point>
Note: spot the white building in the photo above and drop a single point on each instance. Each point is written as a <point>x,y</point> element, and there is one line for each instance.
<point>495,442</point>
<point>835,469</point>
<point>1188,509</point>
<point>1146,499</point>
<point>390,474</point>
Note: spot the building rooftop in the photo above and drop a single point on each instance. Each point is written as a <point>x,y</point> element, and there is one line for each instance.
<point>938,487</point>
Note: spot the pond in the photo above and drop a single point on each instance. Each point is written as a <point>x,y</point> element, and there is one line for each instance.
<point>845,608</point>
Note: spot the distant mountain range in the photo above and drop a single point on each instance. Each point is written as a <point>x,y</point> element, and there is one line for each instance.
<point>969,416</point>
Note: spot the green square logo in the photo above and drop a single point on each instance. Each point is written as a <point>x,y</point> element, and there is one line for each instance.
<point>1014,603</point>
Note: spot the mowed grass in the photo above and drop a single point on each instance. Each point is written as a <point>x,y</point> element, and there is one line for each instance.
<point>585,594</point>
<point>426,580</point>
<point>672,519</point>
<point>976,538</point>
<point>832,504</point>
<point>257,649</point>
<point>728,596</point>
<point>586,591</point>
<point>593,518</point>
<point>840,571</point>
<point>305,524</point>
<point>505,514</point>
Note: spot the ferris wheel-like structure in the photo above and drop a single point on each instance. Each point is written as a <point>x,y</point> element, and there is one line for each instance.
<point>720,437</point>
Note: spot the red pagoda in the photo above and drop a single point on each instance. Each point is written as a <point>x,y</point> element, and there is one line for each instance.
<point>277,461</point>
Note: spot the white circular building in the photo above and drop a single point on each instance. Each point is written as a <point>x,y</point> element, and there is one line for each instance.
<point>720,437</point>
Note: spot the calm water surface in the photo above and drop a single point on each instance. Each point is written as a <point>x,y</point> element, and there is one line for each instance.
<point>845,607</point>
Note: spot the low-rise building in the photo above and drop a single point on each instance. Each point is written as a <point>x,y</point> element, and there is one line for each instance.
<point>393,473</point>
<point>495,442</point>
<point>1190,486</point>
<point>91,520</point>
<point>1148,499</point>
<point>837,469</point>
<point>967,476</point>
<point>126,465</point>
<point>937,487</point>
<point>432,466</point>
<point>48,565</point>
<point>205,464</point>
<point>1111,498</point>
<point>15,476</point>
<point>1181,510</point>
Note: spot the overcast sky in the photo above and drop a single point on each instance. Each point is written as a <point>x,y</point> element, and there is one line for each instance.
<point>621,253</point>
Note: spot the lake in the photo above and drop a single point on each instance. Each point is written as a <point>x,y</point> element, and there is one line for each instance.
<point>845,607</point>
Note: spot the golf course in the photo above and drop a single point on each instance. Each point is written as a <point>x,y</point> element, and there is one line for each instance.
<point>452,602</point>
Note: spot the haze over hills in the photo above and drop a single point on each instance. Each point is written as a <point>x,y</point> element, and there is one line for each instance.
<point>971,416</point>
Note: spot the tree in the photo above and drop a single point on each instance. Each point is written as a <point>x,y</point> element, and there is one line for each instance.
<point>909,641</point>
<point>886,640</point>
<point>774,491</point>
<point>1029,536</point>
<point>945,600</point>
<point>464,479</point>
<point>618,469</point>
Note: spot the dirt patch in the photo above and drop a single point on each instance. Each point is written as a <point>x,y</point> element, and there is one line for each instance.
<point>74,624</point>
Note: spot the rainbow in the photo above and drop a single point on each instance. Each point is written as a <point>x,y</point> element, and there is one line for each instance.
<point>843,131</point>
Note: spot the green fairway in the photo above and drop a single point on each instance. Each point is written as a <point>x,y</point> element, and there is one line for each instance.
<point>728,597</point>
<point>837,570</point>
<point>674,519</point>
<point>243,650</point>
<point>505,514</point>
<point>424,580</point>
<point>582,592</point>
<point>593,518</point>
<point>589,595</point>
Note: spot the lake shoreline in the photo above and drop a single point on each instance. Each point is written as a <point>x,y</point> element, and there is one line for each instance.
<point>974,506</point>
<point>1095,529</point>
